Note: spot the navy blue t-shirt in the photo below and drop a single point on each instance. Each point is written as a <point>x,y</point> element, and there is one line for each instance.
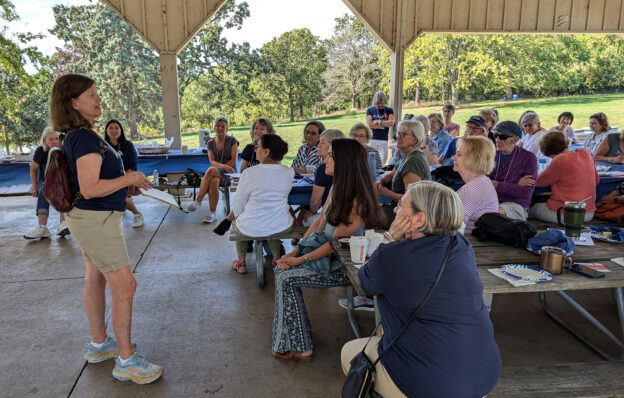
<point>380,114</point>
<point>83,142</point>
<point>449,349</point>
<point>451,149</point>
<point>323,180</point>
<point>41,158</point>
<point>128,154</point>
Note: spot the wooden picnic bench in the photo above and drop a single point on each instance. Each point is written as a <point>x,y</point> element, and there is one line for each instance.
<point>296,233</point>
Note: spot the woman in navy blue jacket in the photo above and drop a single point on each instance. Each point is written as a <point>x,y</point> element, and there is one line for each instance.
<point>448,350</point>
<point>117,139</point>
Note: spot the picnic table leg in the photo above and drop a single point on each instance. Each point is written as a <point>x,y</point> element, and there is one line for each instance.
<point>259,263</point>
<point>350,312</point>
<point>619,302</point>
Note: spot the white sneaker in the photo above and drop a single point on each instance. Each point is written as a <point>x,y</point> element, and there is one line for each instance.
<point>192,207</point>
<point>138,221</point>
<point>40,232</point>
<point>211,217</point>
<point>62,229</point>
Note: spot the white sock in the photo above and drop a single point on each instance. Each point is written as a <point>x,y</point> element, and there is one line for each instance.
<point>98,345</point>
<point>123,362</point>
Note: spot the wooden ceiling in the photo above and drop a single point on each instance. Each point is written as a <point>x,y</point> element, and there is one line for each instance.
<point>486,16</point>
<point>167,25</point>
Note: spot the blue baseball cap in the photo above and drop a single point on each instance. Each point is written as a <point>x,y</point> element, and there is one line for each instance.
<point>478,120</point>
<point>508,128</point>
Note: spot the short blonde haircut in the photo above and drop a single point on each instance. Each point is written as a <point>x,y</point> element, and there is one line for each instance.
<point>489,115</point>
<point>416,129</point>
<point>332,134</point>
<point>442,207</point>
<point>478,153</point>
<point>363,127</point>
<point>46,132</point>
<point>423,120</point>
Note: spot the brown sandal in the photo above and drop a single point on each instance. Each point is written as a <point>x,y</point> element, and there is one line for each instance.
<point>240,267</point>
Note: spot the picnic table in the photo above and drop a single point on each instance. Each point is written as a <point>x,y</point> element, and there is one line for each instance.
<point>490,254</point>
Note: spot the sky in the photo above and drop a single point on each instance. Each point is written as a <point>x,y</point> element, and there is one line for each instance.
<point>268,19</point>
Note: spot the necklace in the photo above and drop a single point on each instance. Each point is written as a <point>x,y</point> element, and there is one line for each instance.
<point>499,164</point>
<point>218,156</point>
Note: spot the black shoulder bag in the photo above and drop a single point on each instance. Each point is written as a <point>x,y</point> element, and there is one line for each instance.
<point>361,377</point>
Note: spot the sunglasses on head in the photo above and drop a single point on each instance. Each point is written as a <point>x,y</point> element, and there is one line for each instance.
<point>502,137</point>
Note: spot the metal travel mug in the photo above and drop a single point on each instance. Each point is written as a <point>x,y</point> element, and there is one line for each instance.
<point>552,259</point>
<point>573,218</point>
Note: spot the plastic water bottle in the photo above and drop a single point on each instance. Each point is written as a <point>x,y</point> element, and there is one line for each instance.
<point>373,164</point>
<point>543,163</point>
<point>155,178</point>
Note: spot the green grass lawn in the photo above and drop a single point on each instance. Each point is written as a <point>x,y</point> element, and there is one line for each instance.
<point>582,106</point>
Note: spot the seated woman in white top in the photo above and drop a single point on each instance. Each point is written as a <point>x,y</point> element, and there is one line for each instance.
<point>260,206</point>
<point>565,120</point>
<point>599,126</point>
<point>533,133</point>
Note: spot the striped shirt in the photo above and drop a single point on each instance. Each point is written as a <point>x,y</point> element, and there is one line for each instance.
<point>307,157</point>
<point>478,197</point>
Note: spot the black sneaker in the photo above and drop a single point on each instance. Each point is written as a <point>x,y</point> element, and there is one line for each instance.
<point>223,227</point>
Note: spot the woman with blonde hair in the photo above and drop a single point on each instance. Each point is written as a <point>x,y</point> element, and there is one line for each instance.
<point>100,187</point>
<point>473,161</point>
<point>259,127</point>
<point>38,166</point>
<point>363,134</point>
<point>452,338</point>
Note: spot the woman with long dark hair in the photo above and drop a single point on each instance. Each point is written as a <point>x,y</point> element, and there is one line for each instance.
<point>100,186</point>
<point>352,205</point>
<point>114,135</point>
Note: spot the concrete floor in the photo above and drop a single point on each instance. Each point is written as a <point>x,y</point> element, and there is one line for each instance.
<point>207,325</point>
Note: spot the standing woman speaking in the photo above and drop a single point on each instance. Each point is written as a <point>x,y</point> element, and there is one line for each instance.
<point>100,186</point>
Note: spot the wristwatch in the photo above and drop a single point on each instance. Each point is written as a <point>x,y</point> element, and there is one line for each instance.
<point>305,257</point>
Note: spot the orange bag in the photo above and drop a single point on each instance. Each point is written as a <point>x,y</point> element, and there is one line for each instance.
<point>611,212</point>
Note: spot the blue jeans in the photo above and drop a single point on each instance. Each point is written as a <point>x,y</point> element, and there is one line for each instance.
<point>43,207</point>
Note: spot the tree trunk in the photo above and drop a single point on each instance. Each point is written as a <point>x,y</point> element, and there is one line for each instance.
<point>417,94</point>
<point>509,92</point>
<point>300,110</point>
<point>354,101</point>
<point>6,140</point>
<point>454,93</point>
<point>359,103</point>
<point>291,104</point>
<point>132,121</point>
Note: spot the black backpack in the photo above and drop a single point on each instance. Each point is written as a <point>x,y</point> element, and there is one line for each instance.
<point>498,227</point>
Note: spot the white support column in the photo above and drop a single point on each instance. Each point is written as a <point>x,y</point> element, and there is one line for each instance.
<point>396,82</point>
<point>396,63</point>
<point>170,97</point>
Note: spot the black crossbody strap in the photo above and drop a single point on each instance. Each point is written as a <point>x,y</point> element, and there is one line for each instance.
<point>420,307</point>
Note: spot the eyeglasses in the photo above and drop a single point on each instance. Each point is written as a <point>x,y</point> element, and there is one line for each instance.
<point>502,137</point>
<point>403,133</point>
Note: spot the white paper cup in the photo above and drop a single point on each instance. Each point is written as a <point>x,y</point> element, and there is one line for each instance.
<point>358,245</point>
<point>374,240</point>
<point>184,149</point>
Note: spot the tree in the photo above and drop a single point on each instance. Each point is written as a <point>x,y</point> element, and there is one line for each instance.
<point>15,84</point>
<point>353,72</point>
<point>125,69</point>
<point>296,61</point>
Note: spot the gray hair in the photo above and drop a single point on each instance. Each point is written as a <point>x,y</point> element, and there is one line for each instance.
<point>439,117</point>
<point>530,117</point>
<point>442,207</point>
<point>46,132</point>
<point>422,119</point>
<point>380,98</point>
<point>363,127</point>
<point>416,129</point>
<point>332,134</point>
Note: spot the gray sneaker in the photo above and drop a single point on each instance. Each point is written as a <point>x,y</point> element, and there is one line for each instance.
<point>40,232</point>
<point>360,303</point>
<point>192,207</point>
<point>137,369</point>
<point>137,221</point>
<point>108,351</point>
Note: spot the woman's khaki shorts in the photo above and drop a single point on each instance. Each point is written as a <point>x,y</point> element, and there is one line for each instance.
<point>100,236</point>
